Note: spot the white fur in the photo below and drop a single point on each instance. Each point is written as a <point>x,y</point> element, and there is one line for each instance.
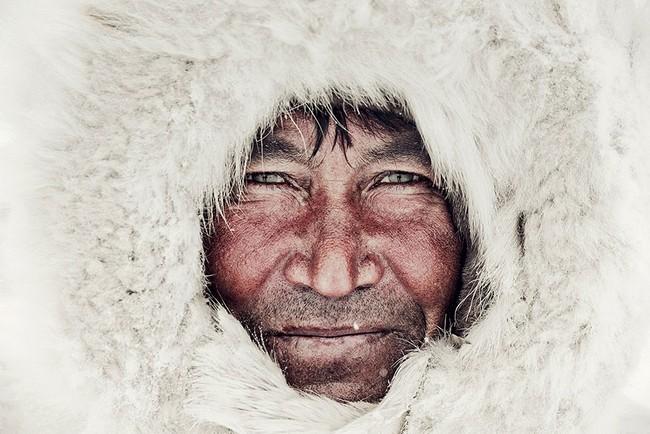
<point>121,117</point>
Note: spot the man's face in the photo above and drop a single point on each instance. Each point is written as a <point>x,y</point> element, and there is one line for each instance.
<point>341,262</point>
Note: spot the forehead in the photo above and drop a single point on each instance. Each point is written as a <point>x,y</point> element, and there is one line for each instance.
<point>308,137</point>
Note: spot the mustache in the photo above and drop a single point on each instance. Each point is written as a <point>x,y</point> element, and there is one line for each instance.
<point>302,306</point>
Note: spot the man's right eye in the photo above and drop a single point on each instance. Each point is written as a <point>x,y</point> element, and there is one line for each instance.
<point>265,178</point>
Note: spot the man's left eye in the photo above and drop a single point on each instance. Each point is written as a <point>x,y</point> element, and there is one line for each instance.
<point>400,178</point>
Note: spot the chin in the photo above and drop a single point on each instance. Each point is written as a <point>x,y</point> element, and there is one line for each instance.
<point>349,368</point>
<point>347,391</point>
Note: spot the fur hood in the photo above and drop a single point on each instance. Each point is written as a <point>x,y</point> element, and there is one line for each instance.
<point>123,118</point>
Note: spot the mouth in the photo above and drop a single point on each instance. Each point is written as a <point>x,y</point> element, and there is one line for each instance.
<point>328,343</point>
<point>331,333</point>
<point>352,362</point>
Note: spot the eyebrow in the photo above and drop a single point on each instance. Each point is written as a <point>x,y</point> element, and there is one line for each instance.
<point>400,147</point>
<point>403,146</point>
<point>276,148</point>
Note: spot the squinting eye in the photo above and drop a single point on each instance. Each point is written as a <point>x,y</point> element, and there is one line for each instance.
<point>400,178</point>
<point>265,178</point>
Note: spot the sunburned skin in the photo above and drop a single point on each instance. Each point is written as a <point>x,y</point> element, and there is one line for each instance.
<point>339,266</point>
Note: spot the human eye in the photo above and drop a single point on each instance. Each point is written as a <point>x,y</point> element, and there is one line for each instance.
<point>401,178</point>
<point>268,178</point>
<point>274,186</point>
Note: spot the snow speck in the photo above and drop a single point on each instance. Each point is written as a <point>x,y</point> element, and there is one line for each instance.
<point>355,326</point>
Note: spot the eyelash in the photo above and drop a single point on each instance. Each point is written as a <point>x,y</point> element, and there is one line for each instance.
<point>249,178</point>
<point>286,181</point>
<point>417,179</point>
<point>376,183</point>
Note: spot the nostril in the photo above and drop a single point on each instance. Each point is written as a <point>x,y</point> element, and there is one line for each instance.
<point>303,288</point>
<point>363,287</point>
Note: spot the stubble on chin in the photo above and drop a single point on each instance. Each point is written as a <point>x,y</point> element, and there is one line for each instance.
<point>345,369</point>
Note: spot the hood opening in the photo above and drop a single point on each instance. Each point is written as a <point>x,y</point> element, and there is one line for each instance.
<point>471,296</point>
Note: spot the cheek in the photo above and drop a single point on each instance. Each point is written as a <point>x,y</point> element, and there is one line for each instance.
<point>423,250</point>
<point>247,248</point>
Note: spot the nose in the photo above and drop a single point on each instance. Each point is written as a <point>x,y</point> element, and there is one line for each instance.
<point>337,263</point>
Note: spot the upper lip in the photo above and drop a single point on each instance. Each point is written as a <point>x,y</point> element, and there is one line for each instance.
<point>330,332</point>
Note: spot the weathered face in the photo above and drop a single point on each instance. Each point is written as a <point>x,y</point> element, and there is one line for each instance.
<point>340,265</point>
